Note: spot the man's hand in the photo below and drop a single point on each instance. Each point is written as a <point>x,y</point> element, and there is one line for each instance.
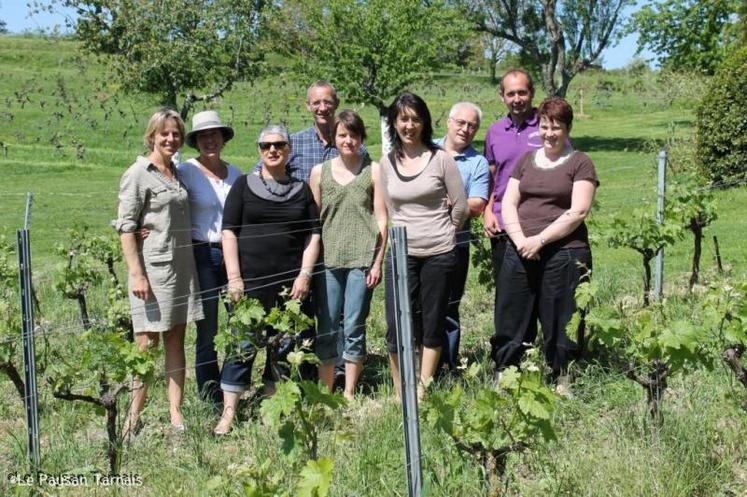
<point>491,228</point>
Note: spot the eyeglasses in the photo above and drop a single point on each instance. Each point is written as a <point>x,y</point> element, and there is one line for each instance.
<point>462,123</point>
<point>265,146</point>
<point>318,103</point>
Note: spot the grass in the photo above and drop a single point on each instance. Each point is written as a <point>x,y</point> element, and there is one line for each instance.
<point>67,137</point>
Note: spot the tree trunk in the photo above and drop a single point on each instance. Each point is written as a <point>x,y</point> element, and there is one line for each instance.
<point>646,279</point>
<point>110,404</point>
<point>386,144</point>
<point>494,480</point>
<point>12,373</point>
<point>697,230</point>
<point>733,358</point>
<point>655,393</point>
<point>81,298</point>
<point>112,271</point>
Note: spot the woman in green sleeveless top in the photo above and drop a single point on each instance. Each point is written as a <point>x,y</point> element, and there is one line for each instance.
<point>354,220</point>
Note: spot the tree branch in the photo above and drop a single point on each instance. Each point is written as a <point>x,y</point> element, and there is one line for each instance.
<point>66,395</point>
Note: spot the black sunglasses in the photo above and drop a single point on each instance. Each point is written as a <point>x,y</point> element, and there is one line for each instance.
<point>265,146</point>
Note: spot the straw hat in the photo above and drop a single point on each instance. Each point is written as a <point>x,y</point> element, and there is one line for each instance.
<point>204,120</point>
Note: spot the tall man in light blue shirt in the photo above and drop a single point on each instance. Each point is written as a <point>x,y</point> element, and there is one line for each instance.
<point>462,125</point>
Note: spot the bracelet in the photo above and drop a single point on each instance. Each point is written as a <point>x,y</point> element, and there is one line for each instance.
<point>305,273</point>
<point>542,240</point>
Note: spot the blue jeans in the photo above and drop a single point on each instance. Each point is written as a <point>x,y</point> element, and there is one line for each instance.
<point>342,290</point>
<point>211,274</point>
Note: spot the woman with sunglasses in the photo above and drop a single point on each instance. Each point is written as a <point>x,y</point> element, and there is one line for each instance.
<point>424,192</point>
<point>354,219</point>
<point>270,242</point>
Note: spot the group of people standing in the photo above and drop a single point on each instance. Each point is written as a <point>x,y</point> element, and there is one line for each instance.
<point>312,217</point>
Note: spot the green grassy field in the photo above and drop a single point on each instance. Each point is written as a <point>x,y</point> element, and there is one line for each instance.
<point>67,136</point>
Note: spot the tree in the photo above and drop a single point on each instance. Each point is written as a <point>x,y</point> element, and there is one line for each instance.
<point>558,39</point>
<point>686,34</point>
<point>173,48</point>
<point>373,50</point>
<point>3,28</point>
<point>721,127</point>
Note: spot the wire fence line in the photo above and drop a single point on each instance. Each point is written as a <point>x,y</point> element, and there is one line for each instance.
<point>290,275</point>
<point>284,276</point>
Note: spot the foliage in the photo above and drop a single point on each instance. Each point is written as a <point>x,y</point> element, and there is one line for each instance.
<point>691,201</point>
<point>494,423</point>
<point>652,342</point>
<point>722,125</point>
<point>481,256</point>
<point>3,27</point>
<point>688,35</point>
<point>98,370</point>
<point>10,321</point>
<point>245,324</point>
<point>725,316</point>
<point>248,321</point>
<point>640,231</point>
<point>371,51</point>
<point>84,255</point>
<point>300,409</point>
<point>173,48</point>
<point>556,39</point>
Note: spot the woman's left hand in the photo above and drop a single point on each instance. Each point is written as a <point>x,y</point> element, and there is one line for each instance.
<point>531,248</point>
<point>373,276</point>
<point>301,286</point>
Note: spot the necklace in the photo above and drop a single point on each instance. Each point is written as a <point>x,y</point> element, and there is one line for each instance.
<point>282,192</point>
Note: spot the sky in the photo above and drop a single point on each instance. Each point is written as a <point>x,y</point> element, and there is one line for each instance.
<point>16,16</point>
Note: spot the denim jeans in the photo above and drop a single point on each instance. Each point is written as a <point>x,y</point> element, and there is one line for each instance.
<point>237,372</point>
<point>543,289</point>
<point>211,273</point>
<point>342,290</point>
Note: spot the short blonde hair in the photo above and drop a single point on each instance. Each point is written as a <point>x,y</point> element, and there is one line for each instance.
<point>158,121</point>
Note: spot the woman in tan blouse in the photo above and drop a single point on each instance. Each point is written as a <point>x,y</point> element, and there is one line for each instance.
<point>423,191</point>
<point>162,279</point>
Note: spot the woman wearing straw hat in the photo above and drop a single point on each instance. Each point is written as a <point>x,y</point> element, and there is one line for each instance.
<point>208,179</point>
<point>164,295</point>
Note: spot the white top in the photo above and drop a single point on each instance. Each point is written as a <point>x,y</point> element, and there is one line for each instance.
<point>207,196</point>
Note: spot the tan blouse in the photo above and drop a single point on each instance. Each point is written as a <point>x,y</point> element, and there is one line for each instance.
<point>432,204</point>
<point>148,199</point>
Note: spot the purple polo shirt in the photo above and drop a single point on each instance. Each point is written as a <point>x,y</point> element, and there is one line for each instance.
<point>505,144</point>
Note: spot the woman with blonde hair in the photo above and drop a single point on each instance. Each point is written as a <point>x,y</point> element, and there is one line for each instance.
<point>164,294</point>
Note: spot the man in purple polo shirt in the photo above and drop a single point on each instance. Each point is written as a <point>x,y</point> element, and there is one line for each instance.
<point>506,142</point>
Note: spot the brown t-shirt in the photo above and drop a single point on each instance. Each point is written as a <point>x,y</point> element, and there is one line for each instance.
<point>546,195</point>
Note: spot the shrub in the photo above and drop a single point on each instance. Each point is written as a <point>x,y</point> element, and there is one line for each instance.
<point>722,122</point>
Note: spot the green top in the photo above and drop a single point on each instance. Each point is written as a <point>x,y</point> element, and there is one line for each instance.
<point>349,229</point>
